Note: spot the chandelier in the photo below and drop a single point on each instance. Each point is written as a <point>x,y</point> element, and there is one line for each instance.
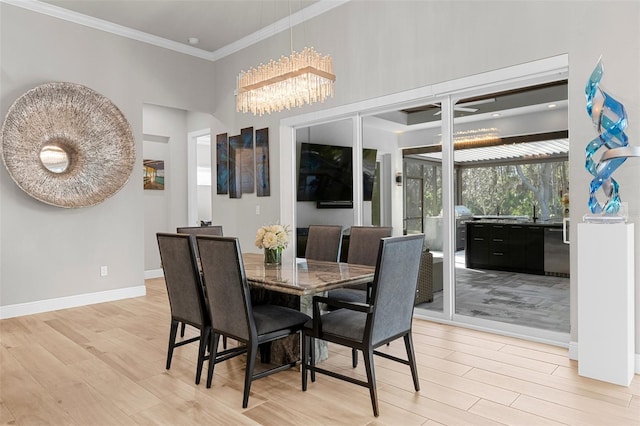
<point>302,78</point>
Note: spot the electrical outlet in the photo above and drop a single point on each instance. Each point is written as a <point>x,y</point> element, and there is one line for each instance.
<point>258,209</point>
<point>104,271</point>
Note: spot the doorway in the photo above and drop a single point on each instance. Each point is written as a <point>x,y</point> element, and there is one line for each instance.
<point>199,177</point>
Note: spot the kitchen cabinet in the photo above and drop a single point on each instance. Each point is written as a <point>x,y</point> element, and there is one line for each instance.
<point>517,247</point>
<point>477,248</point>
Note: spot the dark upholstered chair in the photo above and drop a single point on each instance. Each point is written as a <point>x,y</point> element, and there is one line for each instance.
<point>232,314</point>
<point>324,242</point>
<point>193,231</point>
<point>365,327</point>
<point>364,242</point>
<point>186,295</point>
<point>199,230</point>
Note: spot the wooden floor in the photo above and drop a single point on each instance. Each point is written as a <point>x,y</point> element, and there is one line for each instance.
<point>104,365</point>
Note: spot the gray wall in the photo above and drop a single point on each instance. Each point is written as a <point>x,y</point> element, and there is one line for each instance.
<point>385,47</point>
<point>379,48</point>
<point>49,252</point>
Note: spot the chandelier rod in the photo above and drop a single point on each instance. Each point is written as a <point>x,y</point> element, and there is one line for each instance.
<point>290,29</point>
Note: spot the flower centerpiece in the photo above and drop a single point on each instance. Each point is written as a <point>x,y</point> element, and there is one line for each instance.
<point>273,239</point>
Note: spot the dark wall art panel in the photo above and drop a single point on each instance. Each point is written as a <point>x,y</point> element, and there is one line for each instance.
<point>262,163</point>
<point>247,160</point>
<point>235,159</point>
<point>222,163</point>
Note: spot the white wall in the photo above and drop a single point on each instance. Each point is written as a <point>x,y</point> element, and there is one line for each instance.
<point>54,254</point>
<point>385,47</point>
<point>165,210</point>
<point>379,48</point>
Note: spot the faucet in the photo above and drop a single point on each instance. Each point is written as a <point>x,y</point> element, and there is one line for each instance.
<point>498,210</point>
<point>535,218</point>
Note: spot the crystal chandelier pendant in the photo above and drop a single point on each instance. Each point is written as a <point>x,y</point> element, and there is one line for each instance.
<point>302,78</point>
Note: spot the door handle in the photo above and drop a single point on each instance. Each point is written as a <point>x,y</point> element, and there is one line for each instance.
<point>565,230</point>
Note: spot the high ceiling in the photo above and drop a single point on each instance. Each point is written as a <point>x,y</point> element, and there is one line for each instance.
<point>221,26</point>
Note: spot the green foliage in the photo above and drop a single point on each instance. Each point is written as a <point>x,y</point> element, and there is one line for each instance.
<point>510,190</point>
<point>514,190</point>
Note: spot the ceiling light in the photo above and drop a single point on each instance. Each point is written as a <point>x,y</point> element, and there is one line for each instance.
<point>194,40</point>
<point>552,105</point>
<point>495,115</point>
<point>302,78</point>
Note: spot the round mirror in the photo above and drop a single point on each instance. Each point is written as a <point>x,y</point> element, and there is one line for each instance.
<point>54,158</point>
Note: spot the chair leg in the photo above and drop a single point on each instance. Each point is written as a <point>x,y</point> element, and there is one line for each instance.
<point>213,352</point>
<point>182,328</point>
<point>248,374</point>
<point>172,341</point>
<point>411,357</point>
<point>371,379</point>
<point>202,350</point>
<point>354,357</point>
<point>224,342</point>
<point>305,360</point>
<point>312,357</point>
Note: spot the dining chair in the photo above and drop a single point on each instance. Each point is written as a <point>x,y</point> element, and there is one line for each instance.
<point>387,317</point>
<point>324,242</point>
<point>364,242</point>
<point>199,230</point>
<point>192,231</point>
<point>186,294</point>
<point>232,314</point>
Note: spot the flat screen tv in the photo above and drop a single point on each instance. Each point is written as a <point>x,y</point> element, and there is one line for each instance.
<point>326,173</point>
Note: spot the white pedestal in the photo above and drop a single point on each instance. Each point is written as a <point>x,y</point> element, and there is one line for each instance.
<point>606,302</point>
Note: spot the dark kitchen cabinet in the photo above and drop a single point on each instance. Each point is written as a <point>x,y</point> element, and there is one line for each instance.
<point>477,248</point>
<point>499,246</point>
<point>518,247</point>
<point>535,249</point>
<point>507,247</point>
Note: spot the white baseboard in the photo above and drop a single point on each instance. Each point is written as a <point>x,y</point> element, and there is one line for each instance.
<point>573,350</point>
<point>48,305</point>
<point>153,273</point>
<point>573,354</point>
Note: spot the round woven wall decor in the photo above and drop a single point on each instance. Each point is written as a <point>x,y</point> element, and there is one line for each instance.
<point>67,145</point>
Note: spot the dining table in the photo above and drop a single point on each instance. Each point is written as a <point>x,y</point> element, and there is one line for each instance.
<point>294,282</point>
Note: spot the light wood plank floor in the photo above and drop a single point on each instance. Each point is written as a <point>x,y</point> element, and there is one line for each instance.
<point>104,365</point>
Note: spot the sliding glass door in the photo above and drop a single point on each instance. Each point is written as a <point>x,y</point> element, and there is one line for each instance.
<point>508,197</point>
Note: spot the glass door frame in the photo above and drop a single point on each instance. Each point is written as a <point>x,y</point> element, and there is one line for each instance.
<point>447,94</point>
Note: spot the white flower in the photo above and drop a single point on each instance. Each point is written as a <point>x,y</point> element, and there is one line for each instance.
<point>272,236</point>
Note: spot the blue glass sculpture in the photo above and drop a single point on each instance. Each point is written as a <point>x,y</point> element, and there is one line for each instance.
<point>610,120</point>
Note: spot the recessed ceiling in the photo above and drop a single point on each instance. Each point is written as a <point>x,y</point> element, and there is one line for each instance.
<point>496,104</point>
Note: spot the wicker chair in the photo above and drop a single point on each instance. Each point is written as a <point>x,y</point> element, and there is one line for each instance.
<point>424,291</point>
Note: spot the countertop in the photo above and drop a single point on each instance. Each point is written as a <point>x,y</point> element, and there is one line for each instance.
<point>506,221</point>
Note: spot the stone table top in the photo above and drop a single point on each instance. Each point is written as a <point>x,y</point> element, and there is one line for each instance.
<point>303,277</point>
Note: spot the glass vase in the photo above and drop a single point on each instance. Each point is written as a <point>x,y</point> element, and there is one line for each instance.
<point>273,256</point>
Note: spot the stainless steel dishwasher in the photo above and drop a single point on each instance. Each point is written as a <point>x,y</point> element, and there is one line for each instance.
<point>556,253</point>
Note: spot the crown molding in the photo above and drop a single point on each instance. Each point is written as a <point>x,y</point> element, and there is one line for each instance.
<point>283,24</point>
<point>316,9</point>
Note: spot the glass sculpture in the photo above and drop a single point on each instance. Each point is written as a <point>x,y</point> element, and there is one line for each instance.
<point>610,120</point>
